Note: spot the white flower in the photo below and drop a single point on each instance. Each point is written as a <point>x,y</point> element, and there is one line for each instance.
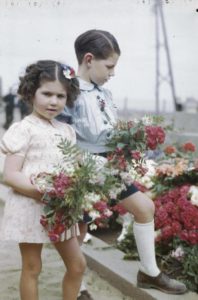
<point>115,191</point>
<point>178,253</point>
<point>122,235</point>
<point>151,166</point>
<point>147,120</point>
<point>107,212</point>
<point>87,206</point>
<point>98,179</point>
<point>89,199</point>
<point>100,161</point>
<point>94,214</point>
<point>193,191</point>
<point>127,178</point>
<point>93,226</point>
<point>92,197</point>
<point>147,182</point>
<point>112,194</point>
<point>157,233</point>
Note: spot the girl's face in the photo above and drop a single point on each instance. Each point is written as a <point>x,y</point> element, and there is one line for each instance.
<point>101,70</point>
<point>49,100</point>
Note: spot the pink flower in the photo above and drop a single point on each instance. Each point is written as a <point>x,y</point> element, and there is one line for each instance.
<point>44,221</point>
<point>53,237</point>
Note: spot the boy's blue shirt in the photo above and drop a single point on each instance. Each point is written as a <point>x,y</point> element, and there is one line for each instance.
<point>93,117</point>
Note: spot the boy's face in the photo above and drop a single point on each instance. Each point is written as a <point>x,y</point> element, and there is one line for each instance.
<point>101,70</point>
<point>49,100</point>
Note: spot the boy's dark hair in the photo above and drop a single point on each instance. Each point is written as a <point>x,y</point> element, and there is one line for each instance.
<point>47,70</point>
<point>98,42</point>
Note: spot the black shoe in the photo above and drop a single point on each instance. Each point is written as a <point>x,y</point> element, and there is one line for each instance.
<point>161,282</point>
<point>84,295</point>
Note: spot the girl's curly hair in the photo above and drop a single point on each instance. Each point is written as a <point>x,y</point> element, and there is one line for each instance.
<point>47,70</point>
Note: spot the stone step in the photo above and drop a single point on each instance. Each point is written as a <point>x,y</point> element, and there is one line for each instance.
<point>108,263</point>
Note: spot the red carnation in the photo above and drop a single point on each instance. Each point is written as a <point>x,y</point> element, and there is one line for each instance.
<point>136,155</point>
<point>61,183</point>
<point>170,150</point>
<point>189,147</point>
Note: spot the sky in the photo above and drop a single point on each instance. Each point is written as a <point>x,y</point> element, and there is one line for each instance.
<point>46,29</point>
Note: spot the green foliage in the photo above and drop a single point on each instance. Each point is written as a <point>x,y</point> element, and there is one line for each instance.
<point>128,245</point>
<point>184,268</point>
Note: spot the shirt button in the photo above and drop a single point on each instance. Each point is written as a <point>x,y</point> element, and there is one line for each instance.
<point>108,134</point>
<point>98,97</point>
<point>105,122</point>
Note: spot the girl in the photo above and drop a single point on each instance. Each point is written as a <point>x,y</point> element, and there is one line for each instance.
<point>31,147</point>
<point>93,116</point>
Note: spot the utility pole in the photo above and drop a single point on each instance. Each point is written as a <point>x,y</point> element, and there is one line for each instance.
<point>162,46</point>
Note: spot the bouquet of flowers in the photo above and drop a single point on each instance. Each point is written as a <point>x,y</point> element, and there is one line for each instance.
<point>79,190</point>
<point>131,140</point>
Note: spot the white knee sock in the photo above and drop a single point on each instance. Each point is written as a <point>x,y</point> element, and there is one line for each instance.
<point>145,241</point>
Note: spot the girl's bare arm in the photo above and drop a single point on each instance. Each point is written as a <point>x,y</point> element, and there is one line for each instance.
<point>13,177</point>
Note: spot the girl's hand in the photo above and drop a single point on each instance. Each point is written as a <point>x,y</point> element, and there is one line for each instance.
<point>38,196</point>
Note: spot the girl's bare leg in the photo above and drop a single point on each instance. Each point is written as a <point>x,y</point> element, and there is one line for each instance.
<point>31,268</point>
<point>75,263</point>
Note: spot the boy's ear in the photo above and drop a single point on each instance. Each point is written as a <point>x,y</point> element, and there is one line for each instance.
<point>88,58</point>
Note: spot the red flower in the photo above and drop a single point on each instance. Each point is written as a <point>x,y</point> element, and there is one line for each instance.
<point>154,135</point>
<point>61,183</point>
<point>120,209</point>
<point>176,216</point>
<point>44,221</point>
<point>100,206</point>
<point>122,162</point>
<point>140,187</point>
<point>141,170</point>
<point>167,232</point>
<point>189,147</point>
<point>170,150</point>
<point>60,228</point>
<point>136,155</point>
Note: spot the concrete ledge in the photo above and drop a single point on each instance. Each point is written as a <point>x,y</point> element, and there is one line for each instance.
<point>108,263</point>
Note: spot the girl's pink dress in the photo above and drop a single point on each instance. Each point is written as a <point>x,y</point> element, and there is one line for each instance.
<point>36,140</point>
